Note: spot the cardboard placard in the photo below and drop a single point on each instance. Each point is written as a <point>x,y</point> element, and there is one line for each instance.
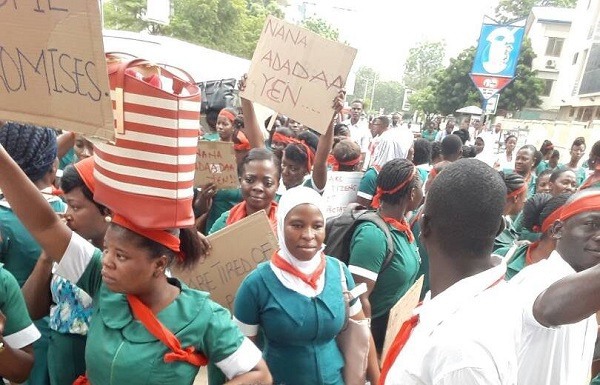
<point>341,189</point>
<point>215,163</point>
<point>400,312</point>
<point>298,73</point>
<point>236,251</point>
<point>52,66</point>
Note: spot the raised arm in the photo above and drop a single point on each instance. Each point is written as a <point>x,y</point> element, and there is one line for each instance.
<point>572,299</point>
<point>251,125</point>
<point>32,209</point>
<point>65,142</point>
<point>319,171</point>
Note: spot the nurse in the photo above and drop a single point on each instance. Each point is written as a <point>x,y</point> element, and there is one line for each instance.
<point>296,299</point>
<point>146,328</point>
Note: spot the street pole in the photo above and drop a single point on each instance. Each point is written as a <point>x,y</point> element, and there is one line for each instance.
<point>373,94</point>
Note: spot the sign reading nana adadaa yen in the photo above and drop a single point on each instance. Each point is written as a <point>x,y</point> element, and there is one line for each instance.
<point>236,251</point>
<point>298,73</point>
<point>52,66</point>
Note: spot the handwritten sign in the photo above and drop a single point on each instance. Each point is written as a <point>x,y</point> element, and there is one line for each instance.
<point>236,251</point>
<point>400,312</point>
<point>52,66</point>
<point>341,189</point>
<point>215,163</point>
<point>298,73</point>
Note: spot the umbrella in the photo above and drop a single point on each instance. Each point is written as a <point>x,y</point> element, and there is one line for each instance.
<point>470,110</point>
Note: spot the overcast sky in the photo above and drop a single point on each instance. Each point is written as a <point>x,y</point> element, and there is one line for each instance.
<point>384,30</point>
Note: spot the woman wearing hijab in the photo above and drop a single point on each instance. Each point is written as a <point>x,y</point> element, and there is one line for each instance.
<point>396,144</point>
<point>296,299</point>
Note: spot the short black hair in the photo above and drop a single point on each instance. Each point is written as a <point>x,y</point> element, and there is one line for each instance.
<point>463,135</point>
<point>537,158</point>
<point>557,172</point>
<point>539,207</point>
<point>579,141</point>
<point>530,147</point>
<point>546,147</point>
<point>468,152</point>
<point>296,152</point>
<point>465,204</point>
<point>384,120</point>
<point>260,153</point>
<point>71,180</point>
<point>436,149</point>
<point>508,137</point>
<point>544,173</point>
<point>392,174</point>
<point>422,148</point>
<point>451,146</point>
<point>596,149</point>
<point>555,154</point>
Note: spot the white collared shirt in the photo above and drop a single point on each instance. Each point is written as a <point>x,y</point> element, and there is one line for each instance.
<point>467,335</point>
<point>360,133</point>
<point>552,356</point>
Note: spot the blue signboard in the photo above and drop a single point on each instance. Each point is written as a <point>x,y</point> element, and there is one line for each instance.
<point>498,50</point>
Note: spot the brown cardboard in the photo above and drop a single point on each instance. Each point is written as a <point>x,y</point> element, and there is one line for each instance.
<point>400,312</point>
<point>298,73</point>
<point>215,163</point>
<point>52,66</point>
<point>236,251</point>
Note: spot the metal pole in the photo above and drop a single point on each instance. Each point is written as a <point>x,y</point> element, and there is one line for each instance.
<point>373,94</point>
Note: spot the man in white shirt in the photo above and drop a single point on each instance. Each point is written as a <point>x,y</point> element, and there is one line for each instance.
<point>468,327</point>
<point>359,127</point>
<point>445,132</point>
<point>554,352</point>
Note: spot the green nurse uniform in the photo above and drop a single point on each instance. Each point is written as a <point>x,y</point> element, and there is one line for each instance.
<point>19,252</point>
<point>368,184</point>
<point>299,331</point>
<point>120,350</point>
<point>517,261</point>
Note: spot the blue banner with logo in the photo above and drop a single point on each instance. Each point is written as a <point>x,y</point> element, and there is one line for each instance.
<point>498,50</point>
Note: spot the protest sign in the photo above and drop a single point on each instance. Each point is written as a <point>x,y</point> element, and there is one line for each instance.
<point>400,312</point>
<point>215,163</point>
<point>236,251</point>
<point>340,191</point>
<point>52,66</point>
<point>298,73</point>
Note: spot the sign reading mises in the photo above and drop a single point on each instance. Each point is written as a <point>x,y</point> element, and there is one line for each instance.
<point>236,251</point>
<point>52,66</point>
<point>341,190</point>
<point>298,73</point>
<point>215,163</point>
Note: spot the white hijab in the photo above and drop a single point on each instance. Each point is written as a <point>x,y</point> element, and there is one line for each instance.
<point>292,198</point>
<point>393,144</point>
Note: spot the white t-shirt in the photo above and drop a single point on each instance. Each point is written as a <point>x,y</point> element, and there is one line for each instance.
<point>467,335</point>
<point>360,133</point>
<point>552,356</point>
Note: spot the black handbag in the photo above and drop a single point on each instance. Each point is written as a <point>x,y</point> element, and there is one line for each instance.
<point>217,94</point>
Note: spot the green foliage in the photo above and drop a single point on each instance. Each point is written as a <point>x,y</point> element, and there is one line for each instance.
<point>363,85</point>
<point>231,26</point>
<point>508,10</point>
<point>423,61</point>
<point>322,28</point>
<point>389,96</point>
<point>452,88</point>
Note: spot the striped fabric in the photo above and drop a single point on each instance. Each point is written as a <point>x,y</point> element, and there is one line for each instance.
<point>147,175</point>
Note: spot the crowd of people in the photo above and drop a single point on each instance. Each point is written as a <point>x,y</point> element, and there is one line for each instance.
<point>508,244</point>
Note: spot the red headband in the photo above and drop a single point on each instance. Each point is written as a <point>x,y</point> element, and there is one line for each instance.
<point>163,237</point>
<point>85,169</point>
<point>244,144</point>
<point>335,164</point>
<point>227,114</point>
<point>518,191</point>
<point>549,221</point>
<point>376,199</point>
<point>310,155</point>
<point>280,138</point>
<point>433,172</point>
<point>588,202</point>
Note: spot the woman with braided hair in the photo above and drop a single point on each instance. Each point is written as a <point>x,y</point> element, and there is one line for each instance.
<point>539,214</point>
<point>594,164</point>
<point>399,191</point>
<point>34,149</point>
<point>515,199</point>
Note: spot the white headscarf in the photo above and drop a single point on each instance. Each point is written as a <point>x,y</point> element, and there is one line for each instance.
<point>392,144</point>
<point>292,198</point>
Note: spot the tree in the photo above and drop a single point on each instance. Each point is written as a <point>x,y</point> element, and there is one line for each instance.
<point>389,96</point>
<point>508,10</point>
<point>363,86</point>
<point>321,27</point>
<point>231,26</point>
<point>423,61</point>
<point>452,88</point>
<point>423,100</point>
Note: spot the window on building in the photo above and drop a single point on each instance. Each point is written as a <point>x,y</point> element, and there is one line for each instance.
<point>597,113</point>
<point>571,112</point>
<point>548,83</point>
<point>575,57</point>
<point>554,46</point>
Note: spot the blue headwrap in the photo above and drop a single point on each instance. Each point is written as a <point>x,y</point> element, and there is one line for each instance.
<point>33,148</point>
